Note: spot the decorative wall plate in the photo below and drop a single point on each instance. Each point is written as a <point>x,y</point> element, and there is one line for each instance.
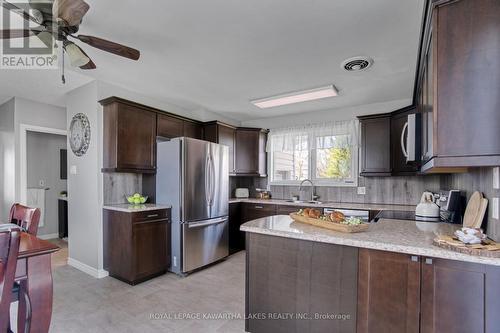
<point>79,134</point>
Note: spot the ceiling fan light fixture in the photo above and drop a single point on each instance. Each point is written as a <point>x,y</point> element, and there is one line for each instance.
<point>76,57</point>
<point>296,97</point>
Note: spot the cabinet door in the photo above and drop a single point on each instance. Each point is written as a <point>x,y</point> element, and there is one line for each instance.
<point>376,146</point>
<point>399,164</point>
<point>192,130</point>
<point>151,247</point>
<point>136,137</point>
<point>288,276</point>
<point>226,137</point>
<point>170,127</point>
<point>236,237</point>
<point>459,297</point>
<point>256,211</point>
<point>247,152</point>
<point>388,292</point>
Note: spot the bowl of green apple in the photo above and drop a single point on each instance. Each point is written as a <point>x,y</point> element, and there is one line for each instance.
<point>136,199</point>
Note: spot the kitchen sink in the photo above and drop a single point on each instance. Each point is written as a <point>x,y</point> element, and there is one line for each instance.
<point>314,202</point>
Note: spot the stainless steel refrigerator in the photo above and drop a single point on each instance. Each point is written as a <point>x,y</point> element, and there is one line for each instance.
<point>193,176</point>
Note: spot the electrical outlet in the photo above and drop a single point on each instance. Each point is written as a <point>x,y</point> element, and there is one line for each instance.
<point>73,170</point>
<point>362,190</point>
<point>496,178</point>
<point>495,213</point>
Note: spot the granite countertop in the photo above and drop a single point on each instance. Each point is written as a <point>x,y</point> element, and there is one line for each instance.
<point>128,208</point>
<point>328,204</point>
<point>410,237</point>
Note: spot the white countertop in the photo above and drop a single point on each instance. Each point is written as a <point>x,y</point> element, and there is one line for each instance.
<point>128,208</point>
<point>401,236</point>
<point>328,204</point>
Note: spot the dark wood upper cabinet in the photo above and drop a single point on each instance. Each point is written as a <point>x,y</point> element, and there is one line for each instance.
<point>376,145</point>
<point>192,130</point>
<point>400,166</point>
<point>129,138</point>
<point>223,134</point>
<point>388,292</point>
<point>458,84</point>
<point>170,127</point>
<point>250,152</point>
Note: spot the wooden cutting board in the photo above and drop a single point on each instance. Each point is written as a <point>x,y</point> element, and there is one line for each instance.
<point>480,215</point>
<point>330,225</point>
<point>489,248</point>
<point>473,209</point>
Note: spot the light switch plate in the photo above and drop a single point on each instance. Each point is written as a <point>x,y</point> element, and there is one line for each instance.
<point>73,170</point>
<point>496,178</point>
<point>495,213</point>
<point>361,190</point>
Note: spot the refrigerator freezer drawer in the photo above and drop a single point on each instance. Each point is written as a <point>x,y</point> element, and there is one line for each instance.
<point>204,242</point>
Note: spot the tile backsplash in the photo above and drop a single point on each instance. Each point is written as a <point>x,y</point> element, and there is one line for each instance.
<point>117,185</point>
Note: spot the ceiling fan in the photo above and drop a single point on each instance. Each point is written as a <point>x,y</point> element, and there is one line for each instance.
<point>60,20</point>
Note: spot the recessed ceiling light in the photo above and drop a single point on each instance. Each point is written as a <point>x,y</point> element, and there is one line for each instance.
<point>296,97</point>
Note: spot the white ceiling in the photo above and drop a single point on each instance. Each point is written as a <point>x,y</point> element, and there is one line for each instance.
<point>217,55</point>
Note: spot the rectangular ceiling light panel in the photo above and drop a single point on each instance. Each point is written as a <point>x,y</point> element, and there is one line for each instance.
<point>296,97</point>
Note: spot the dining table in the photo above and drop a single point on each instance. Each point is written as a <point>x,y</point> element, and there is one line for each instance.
<point>34,275</point>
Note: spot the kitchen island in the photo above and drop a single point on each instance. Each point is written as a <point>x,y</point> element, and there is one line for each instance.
<point>388,279</point>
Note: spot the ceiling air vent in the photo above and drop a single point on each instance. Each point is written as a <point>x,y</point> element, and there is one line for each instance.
<point>356,64</point>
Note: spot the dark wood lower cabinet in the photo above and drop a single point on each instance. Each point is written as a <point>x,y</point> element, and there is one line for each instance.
<point>460,297</point>
<point>404,293</point>
<point>251,211</point>
<point>309,282</point>
<point>136,245</point>
<point>388,292</point>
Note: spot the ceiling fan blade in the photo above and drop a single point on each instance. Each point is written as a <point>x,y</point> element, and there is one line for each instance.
<point>15,33</point>
<point>90,64</point>
<point>19,11</point>
<point>70,11</point>
<point>111,47</point>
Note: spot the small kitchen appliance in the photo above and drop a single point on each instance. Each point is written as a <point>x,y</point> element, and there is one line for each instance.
<point>427,208</point>
<point>241,193</point>
<point>452,204</point>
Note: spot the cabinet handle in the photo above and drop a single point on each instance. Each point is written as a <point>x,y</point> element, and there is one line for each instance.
<point>428,261</point>
<point>414,258</point>
<point>153,215</point>
<point>259,207</point>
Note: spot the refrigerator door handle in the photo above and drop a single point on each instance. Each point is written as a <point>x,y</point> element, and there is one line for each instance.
<point>212,180</point>
<point>206,223</point>
<point>207,180</point>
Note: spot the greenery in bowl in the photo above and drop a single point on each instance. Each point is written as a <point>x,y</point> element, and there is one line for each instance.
<point>136,199</point>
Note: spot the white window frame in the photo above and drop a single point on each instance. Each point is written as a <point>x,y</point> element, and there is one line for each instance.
<point>352,182</point>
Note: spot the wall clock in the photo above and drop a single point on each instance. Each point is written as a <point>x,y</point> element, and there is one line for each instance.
<point>79,134</point>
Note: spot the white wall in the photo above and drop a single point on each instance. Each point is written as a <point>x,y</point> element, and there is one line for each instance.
<point>85,187</point>
<point>319,117</point>
<point>43,163</point>
<point>7,159</point>
<point>36,114</point>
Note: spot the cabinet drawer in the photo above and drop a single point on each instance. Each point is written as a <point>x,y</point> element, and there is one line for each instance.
<point>256,211</point>
<point>160,214</point>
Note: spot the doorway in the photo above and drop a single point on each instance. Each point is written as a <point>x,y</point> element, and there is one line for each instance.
<point>44,183</point>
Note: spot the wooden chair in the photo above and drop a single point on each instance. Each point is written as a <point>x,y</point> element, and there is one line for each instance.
<point>9,248</point>
<point>25,217</point>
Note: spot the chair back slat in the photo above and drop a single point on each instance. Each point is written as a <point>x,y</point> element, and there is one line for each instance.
<point>25,217</point>
<point>9,249</point>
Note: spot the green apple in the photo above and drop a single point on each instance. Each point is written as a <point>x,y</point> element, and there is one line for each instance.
<point>137,195</point>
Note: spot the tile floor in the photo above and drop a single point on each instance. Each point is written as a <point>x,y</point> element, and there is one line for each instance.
<point>85,304</point>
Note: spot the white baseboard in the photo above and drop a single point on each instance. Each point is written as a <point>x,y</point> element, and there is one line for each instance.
<point>48,236</point>
<point>97,273</point>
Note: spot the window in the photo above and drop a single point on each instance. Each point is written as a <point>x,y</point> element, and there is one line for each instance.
<point>327,155</point>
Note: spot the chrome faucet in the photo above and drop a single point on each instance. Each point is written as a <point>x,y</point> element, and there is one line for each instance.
<point>312,188</point>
